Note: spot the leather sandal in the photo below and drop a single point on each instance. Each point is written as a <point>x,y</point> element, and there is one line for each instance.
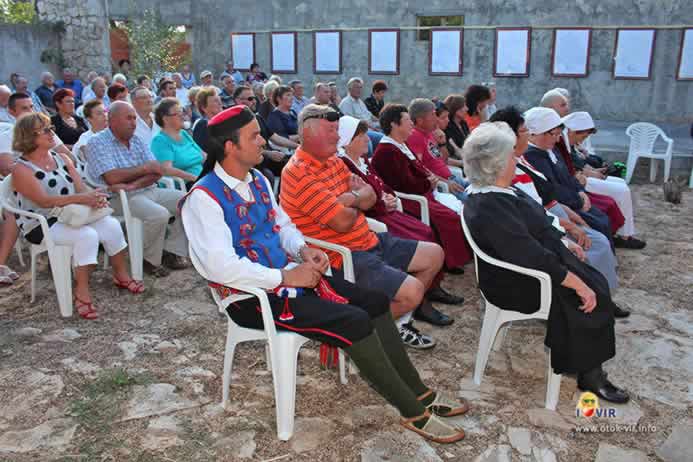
<point>135,287</point>
<point>434,430</point>
<point>445,407</point>
<point>85,309</point>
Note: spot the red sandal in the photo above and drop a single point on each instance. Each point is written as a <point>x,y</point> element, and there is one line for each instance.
<point>85,309</point>
<point>135,287</point>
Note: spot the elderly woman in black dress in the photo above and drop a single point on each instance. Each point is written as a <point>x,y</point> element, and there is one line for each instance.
<point>508,225</point>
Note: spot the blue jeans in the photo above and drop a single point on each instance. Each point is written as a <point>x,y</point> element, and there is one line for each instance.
<point>462,195</point>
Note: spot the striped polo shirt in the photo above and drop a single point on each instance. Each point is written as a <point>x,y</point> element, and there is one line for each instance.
<point>309,193</point>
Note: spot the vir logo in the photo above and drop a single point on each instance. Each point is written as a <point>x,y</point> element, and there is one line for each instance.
<point>588,406</point>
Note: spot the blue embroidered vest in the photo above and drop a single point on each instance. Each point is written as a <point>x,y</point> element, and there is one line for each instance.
<point>252,223</point>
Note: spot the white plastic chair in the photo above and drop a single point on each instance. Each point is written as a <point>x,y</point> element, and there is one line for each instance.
<point>643,136</point>
<point>60,256</point>
<point>423,204</point>
<point>282,348</point>
<point>173,182</point>
<point>495,317</point>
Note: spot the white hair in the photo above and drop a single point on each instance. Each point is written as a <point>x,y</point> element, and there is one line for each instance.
<point>354,80</point>
<point>550,97</point>
<point>5,89</point>
<point>563,91</point>
<point>486,152</point>
<point>275,78</point>
<point>269,87</point>
<point>120,78</point>
<point>45,75</point>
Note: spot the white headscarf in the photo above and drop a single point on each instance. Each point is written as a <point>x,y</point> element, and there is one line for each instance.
<point>347,130</point>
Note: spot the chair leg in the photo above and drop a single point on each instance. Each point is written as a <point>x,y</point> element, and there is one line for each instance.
<point>286,354</point>
<point>61,267</point>
<point>268,357</point>
<point>653,170</point>
<point>553,386</point>
<point>667,169</point>
<point>228,365</point>
<point>500,337</point>
<point>135,241</point>
<point>488,333</point>
<point>630,167</point>
<point>34,256</point>
<point>342,367</point>
<point>18,249</point>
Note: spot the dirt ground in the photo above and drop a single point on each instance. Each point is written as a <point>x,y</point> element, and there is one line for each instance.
<point>143,382</point>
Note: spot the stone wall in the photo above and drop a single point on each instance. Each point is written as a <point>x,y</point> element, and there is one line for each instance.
<point>85,41</point>
<point>21,50</point>
<point>660,99</point>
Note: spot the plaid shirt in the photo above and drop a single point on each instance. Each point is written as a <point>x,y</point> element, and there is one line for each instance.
<point>105,153</point>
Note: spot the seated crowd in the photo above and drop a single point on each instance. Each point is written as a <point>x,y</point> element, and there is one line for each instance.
<point>264,171</point>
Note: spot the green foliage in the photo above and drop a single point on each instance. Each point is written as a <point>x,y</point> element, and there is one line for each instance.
<point>17,12</point>
<point>53,56</point>
<point>153,45</point>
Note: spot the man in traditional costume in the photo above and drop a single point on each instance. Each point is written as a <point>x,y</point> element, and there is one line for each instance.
<point>240,236</point>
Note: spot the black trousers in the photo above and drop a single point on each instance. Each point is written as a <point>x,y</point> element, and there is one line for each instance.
<point>337,324</point>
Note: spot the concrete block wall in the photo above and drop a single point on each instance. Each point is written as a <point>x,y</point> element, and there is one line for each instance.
<point>660,99</point>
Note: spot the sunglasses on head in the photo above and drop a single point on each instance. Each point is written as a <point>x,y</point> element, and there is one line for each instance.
<point>331,116</point>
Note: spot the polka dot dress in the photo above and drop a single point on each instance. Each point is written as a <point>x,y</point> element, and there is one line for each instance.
<point>54,183</point>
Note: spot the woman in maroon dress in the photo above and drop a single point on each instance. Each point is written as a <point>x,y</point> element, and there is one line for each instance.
<point>352,149</point>
<point>353,144</point>
<point>402,171</point>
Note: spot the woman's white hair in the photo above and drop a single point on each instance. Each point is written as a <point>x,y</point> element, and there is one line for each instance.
<point>269,87</point>
<point>120,78</point>
<point>486,152</point>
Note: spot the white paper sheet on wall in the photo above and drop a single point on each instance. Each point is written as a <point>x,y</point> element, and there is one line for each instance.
<point>634,53</point>
<point>445,51</point>
<point>511,52</point>
<point>327,52</point>
<point>384,51</point>
<point>242,50</point>
<point>283,52</point>
<point>686,65</point>
<point>570,52</point>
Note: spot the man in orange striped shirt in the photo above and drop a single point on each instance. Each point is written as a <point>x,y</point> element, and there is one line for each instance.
<point>325,201</point>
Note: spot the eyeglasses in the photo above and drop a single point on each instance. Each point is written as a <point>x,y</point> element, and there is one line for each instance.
<point>68,101</point>
<point>249,98</point>
<point>44,130</point>
<point>331,116</point>
<point>553,132</point>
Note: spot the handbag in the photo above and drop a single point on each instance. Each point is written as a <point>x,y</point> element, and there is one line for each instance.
<point>78,215</point>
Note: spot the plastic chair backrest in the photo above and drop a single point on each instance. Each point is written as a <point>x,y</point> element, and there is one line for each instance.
<point>544,279</point>
<point>6,191</point>
<point>642,137</point>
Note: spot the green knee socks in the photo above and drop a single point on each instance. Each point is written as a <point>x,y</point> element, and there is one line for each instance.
<point>369,356</point>
<point>394,348</point>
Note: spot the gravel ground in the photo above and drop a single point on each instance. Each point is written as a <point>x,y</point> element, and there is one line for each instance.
<point>143,383</point>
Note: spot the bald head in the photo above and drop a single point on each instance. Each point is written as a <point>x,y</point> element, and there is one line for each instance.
<point>5,93</point>
<point>555,100</point>
<point>122,120</point>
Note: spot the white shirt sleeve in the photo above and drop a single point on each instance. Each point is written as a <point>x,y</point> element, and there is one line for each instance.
<point>211,247</point>
<point>290,237</point>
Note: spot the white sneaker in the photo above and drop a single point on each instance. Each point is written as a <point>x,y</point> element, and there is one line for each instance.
<point>415,339</point>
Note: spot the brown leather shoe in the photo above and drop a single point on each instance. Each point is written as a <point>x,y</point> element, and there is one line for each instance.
<point>156,271</point>
<point>175,262</point>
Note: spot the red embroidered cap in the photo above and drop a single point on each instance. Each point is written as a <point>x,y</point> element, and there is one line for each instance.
<point>230,119</point>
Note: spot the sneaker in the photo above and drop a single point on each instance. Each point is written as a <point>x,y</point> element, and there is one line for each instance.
<point>415,339</point>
